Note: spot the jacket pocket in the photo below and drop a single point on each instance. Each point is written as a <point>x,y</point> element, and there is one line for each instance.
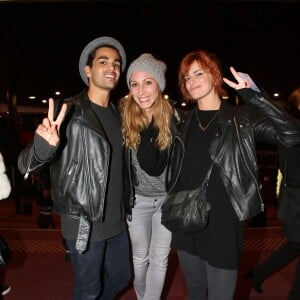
<point>69,177</point>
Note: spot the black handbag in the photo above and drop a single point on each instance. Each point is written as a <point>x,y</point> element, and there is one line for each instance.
<point>187,211</point>
<point>5,252</point>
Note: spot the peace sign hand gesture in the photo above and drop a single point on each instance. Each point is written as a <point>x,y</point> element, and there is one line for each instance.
<point>49,128</point>
<point>242,83</point>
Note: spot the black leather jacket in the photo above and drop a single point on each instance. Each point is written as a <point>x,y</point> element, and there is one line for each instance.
<point>234,148</point>
<point>79,166</point>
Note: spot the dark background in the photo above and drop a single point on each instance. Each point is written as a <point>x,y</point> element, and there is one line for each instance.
<point>41,41</point>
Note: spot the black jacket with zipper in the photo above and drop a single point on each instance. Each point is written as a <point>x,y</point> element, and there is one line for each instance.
<point>234,147</point>
<point>79,165</point>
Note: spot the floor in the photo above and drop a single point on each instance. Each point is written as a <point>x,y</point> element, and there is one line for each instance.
<point>38,269</point>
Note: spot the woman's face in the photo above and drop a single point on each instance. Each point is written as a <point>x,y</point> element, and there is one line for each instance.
<point>144,89</point>
<point>198,82</point>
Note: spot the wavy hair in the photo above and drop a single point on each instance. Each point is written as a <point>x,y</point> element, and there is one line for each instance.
<point>210,63</point>
<point>134,121</point>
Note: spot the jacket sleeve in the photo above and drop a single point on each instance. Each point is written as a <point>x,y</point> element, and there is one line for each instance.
<point>35,156</point>
<point>275,124</point>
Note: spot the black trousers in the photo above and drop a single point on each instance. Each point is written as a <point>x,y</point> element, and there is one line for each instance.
<point>276,261</point>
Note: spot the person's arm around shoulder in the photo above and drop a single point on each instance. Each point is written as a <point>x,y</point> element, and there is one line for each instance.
<point>45,143</point>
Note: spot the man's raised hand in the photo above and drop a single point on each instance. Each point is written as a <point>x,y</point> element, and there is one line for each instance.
<point>49,128</point>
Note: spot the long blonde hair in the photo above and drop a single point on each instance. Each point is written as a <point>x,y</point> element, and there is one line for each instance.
<point>135,120</point>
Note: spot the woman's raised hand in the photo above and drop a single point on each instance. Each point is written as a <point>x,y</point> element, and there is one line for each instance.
<point>241,83</point>
<point>49,128</point>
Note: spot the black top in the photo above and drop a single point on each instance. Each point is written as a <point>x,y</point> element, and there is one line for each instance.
<point>220,243</point>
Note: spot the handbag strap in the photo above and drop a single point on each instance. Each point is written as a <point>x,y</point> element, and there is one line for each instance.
<point>206,179</point>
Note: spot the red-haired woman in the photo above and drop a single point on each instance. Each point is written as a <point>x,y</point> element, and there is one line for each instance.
<point>226,134</point>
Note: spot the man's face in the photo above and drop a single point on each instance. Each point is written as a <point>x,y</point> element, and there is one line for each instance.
<point>105,70</point>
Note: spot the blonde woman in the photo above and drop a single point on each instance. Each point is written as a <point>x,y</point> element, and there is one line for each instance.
<point>147,119</point>
<point>288,213</point>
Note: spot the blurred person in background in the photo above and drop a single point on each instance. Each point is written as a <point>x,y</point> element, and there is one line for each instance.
<point>288,213</point>
<point>5,189</point>
<point>44,200</point>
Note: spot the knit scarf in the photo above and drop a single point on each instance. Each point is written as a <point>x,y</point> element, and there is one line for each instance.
<point>152,160</point>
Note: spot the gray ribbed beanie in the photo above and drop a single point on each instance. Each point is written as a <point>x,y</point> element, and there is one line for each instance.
<point>147,63</point>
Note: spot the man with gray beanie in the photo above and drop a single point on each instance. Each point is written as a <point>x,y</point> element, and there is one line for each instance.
<point>81,139</point>
<point>147,129</point>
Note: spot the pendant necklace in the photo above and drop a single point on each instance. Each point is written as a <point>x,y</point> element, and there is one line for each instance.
<point>203,128</point>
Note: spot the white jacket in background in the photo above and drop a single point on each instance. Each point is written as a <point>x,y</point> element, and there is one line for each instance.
<point>5,187</point>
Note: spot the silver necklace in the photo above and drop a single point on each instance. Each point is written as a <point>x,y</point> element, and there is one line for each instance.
<point>203,128</point>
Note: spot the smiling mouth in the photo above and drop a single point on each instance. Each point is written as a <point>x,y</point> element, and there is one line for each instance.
<point>196,87</point>
<point>144,100</point>
<point>109,76</point>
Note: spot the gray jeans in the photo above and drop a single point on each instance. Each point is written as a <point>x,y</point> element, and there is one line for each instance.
<point>205,281</point>
<point>150,242</point>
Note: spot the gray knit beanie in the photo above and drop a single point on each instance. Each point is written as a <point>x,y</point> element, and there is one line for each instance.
<point>147,63</point>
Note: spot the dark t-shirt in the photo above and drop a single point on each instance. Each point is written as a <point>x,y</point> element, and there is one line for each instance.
<point>220,243</point>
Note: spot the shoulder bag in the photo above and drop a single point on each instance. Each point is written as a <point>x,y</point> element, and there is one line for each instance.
<point>187,211</point>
